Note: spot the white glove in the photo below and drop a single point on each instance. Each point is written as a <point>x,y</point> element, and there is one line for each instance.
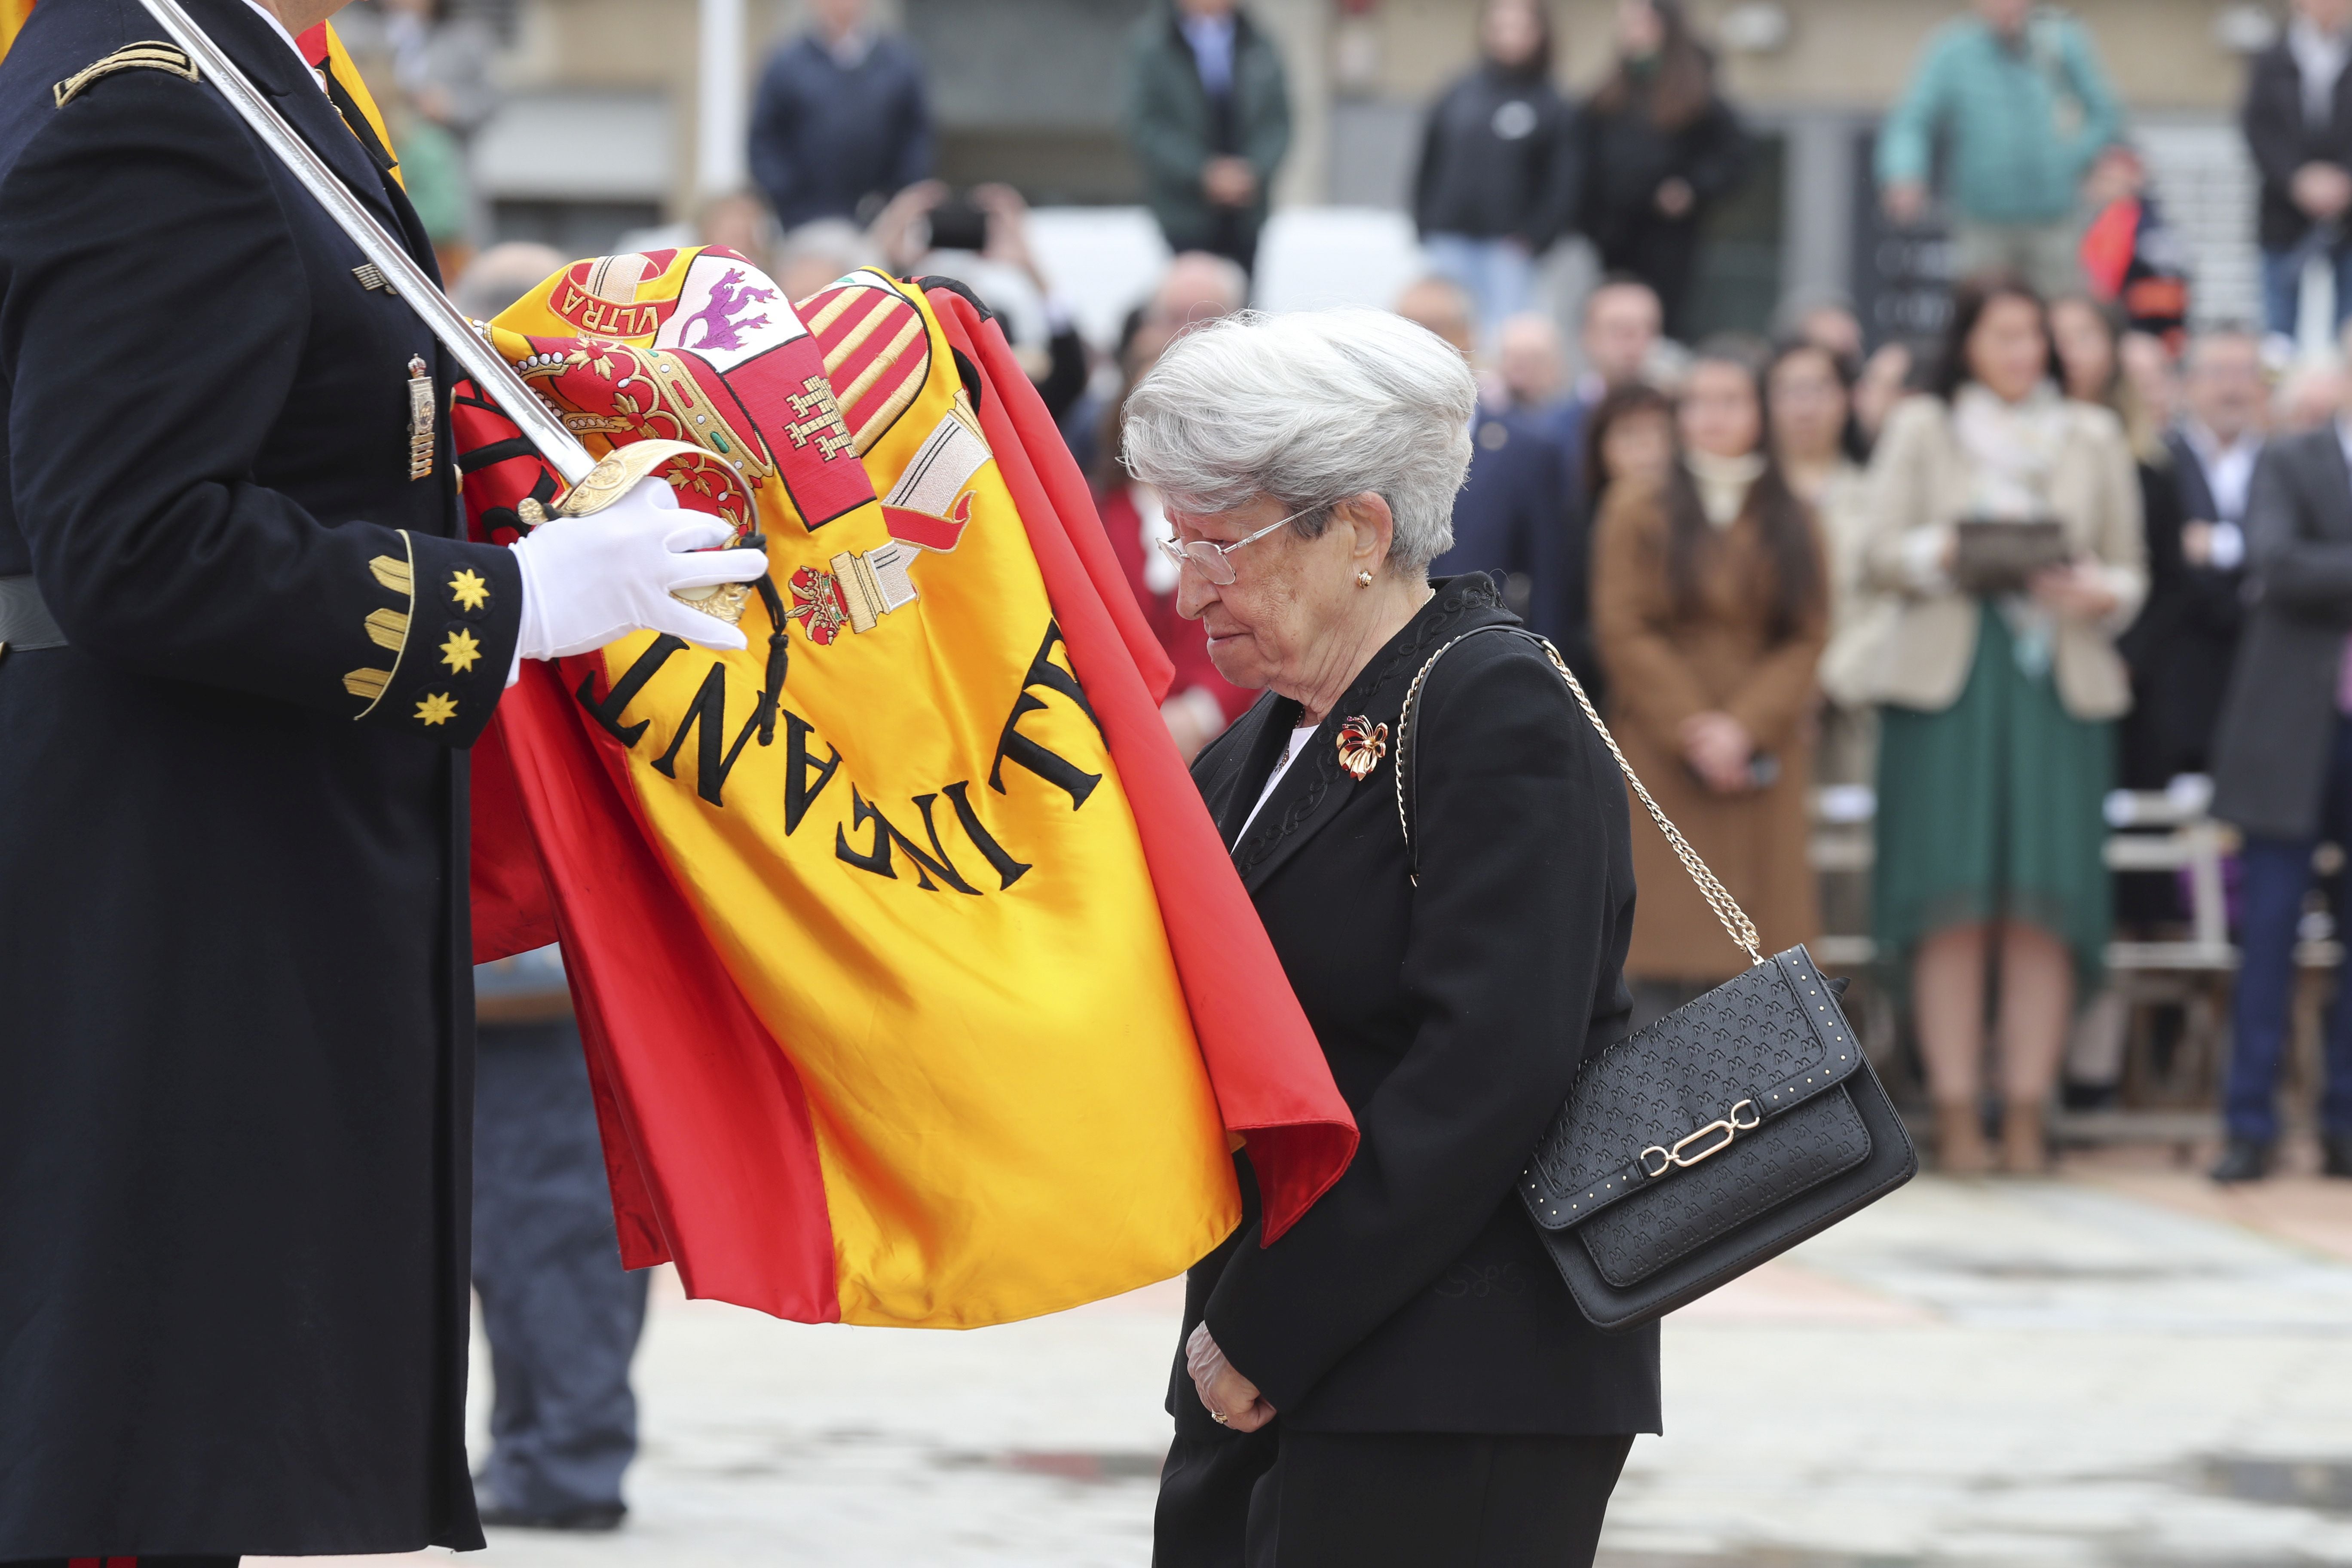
<point>588,581</point>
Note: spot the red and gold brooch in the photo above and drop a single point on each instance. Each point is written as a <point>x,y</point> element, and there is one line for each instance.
<point>1362,744</point>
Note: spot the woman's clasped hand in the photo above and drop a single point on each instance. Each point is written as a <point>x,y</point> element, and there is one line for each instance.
<point>1231,1399</point>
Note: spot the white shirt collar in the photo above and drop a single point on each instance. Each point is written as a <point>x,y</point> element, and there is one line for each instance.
<point>2229,470</point>
<point>278,27</point>
<point>2211,449</point>
<point>2320,58</point>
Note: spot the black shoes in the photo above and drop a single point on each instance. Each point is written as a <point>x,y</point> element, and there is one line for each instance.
<point>2242,1161</point>
<point>597,1517</point>
<point>2246,1160</point>
<point>589,1517</point>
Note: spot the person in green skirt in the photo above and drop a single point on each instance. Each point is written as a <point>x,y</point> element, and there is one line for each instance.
<point>1999,685</point>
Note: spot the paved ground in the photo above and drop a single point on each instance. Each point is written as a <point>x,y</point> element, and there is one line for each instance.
<point>2121,1368</point>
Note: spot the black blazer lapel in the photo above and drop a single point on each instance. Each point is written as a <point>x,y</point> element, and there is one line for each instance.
<point>295,93</point>
<point>1314,789</point>
<point>2189,472</point>
<point>1235,770</point>
<point>1308,796</point>
<point>2332,507</point>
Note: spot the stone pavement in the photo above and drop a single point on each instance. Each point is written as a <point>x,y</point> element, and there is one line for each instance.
<point>2119,1368</point>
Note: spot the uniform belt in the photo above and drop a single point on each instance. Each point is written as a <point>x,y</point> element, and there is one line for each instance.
<point>25,620</point>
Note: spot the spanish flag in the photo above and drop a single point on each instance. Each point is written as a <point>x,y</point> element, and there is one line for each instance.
<point>917,986</point>
<point>323,47</point>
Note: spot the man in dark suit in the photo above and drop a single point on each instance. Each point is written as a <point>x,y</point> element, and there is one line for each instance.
<point>2298,121</point>
<point>2283,776</point>
<point>2181,647</point>
<point>1511,518</point>
<point>248,645</point>
<point>843,121</point>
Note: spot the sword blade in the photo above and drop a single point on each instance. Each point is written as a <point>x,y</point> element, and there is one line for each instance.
<point>496,378</point>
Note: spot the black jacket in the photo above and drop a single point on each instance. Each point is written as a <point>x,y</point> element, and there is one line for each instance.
<point>236,1012</point>
<point>2270,757</point>
<point>1499,158</point>
<point>2185,639</point>
<point>1627,155</point>
<point>1513,520</point>
<point>1414,1295</point>
<point>2282,141</point>
<point>826,137</point>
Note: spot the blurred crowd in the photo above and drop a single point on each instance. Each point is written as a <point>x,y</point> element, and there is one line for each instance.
<point>1987,583</point>
<point>2086,545</point>
<point>1978,583</point>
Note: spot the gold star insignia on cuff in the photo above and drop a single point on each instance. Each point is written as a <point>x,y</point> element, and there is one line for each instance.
<point>437,708</point>
<point>469,589</point>
<point>460,650</point>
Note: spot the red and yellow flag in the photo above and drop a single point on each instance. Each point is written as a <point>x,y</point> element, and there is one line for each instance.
<point>14,14</point>
<point>917,987</point>
<point>323,47</point>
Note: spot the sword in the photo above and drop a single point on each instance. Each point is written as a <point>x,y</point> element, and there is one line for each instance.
<point>563,449</point>
<point>592,483</point>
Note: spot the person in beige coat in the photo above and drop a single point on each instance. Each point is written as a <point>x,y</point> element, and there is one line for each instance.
<point>1710,606</point>
<point>1998,710</point>
<point>1808,395</point>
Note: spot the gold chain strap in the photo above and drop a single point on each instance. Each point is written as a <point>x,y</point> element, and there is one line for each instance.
<point>1736,923</point>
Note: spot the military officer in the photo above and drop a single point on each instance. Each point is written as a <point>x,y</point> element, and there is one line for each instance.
<point>248,648</point>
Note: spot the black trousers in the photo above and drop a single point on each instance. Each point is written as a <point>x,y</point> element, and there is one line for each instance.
<point>561,1314</point>
<point>125,1561</point>
<point>1377,1500</point>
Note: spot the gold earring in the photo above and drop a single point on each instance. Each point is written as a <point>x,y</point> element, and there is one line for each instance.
<point>1363,579</point>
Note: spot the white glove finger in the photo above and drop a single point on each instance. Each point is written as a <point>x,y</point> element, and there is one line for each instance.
<point>684,621</point>
<point>653,492</point>
<point>704,531</point>
<point>713,567</point>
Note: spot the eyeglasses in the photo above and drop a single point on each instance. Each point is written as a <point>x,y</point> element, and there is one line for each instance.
<point>1211,560</point>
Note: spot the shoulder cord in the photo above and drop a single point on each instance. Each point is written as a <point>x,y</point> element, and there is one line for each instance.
<point>1736,923</point>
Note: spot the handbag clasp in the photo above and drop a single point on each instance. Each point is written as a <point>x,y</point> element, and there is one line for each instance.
<point>1741,1118</point>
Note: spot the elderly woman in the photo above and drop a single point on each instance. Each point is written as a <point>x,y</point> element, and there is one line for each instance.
<point>1402,1377</point>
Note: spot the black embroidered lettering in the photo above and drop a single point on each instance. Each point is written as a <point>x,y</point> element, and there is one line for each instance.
<point>607,713</point>
<point>804,776</point>
<point>709,712</point>
<point>876,860</point>
<point>887,836</point>
<point>1018,748</point>
<point>1007,868</point>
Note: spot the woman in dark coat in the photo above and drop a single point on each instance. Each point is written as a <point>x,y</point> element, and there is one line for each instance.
<point>1498,178</point>
<point>1402,1373</point>
<point>1659,147</point>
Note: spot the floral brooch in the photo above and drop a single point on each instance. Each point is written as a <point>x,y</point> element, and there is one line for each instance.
<point>1362,744</point>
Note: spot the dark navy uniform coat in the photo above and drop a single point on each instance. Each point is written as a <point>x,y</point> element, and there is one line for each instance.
<point>235,999</point>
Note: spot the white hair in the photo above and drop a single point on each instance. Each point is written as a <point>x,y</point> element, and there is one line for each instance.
<point>1309,409</point>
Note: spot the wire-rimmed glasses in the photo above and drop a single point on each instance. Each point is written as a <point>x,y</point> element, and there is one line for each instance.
<point>1210,560</point>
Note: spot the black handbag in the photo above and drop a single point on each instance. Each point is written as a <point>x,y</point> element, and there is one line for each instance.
<point>1722,1135</point>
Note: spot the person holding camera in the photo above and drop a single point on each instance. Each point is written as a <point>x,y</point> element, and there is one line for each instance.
<point>2006,519</point>
<point>1710,608</point>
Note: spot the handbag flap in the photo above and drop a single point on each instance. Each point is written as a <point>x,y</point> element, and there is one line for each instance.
<point>1689,1086</point>
<point>1666,1222</point>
